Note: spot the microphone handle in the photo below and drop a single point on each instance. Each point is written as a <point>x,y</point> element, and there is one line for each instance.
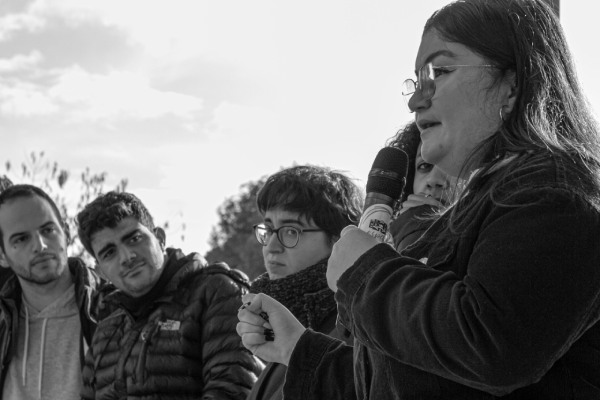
<point>377,198</point>
<point>377,215</point>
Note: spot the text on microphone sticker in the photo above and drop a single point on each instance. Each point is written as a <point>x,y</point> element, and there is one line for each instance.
<point>378,225</point>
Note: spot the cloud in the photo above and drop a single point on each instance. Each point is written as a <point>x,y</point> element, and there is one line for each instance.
<point>23,98</point>
<point>83,96</point>
<point>21,62</point>
<point>119,95</point>
<point>13,23</point>
<point>157,25</point>
<point>94,47</point>
<point>181,29</point>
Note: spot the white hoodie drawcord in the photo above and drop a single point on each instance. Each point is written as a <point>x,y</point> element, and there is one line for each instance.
<point>42,356</point>
<point>26,350</point>
<point>24,371</point>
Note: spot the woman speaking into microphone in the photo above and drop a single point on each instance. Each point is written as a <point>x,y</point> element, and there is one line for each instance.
<point>501,296</point>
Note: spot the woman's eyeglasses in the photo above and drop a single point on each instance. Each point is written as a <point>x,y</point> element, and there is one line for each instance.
<point>426,79</point>
<point>288,236</point>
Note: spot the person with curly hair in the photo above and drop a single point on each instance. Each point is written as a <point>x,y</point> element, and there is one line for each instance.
<point>500,297</point>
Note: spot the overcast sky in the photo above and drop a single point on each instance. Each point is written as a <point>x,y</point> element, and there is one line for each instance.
<point>189,99</point>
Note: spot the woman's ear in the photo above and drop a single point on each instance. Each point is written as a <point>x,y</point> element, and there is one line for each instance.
<point>512,91</point>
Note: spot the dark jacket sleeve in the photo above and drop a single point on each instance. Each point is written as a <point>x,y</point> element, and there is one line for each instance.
<point>321,368</point>
<point>409,226</point>
<point>87,389</point>
<point>531,287</point>
<point>229,369</point>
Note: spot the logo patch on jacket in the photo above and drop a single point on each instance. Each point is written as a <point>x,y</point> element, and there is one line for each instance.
<point>169,325</point>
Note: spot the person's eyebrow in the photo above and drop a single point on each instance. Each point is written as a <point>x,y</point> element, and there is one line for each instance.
<point>18,234</point>
<point>124,238</point>
<point>286,221</point>
<point>443,52</point>
<point>129,235</point>
<point>47,224</point>
<point>291,221</point>
<point>105,248</point>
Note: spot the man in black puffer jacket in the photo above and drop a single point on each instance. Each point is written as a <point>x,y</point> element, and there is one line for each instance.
<point>173,333</point>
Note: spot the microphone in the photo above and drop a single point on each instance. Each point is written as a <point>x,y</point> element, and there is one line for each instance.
<point>384,185</point>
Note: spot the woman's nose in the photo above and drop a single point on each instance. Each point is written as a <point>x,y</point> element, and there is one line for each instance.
<point>418,102</point>
<point>273,244</point>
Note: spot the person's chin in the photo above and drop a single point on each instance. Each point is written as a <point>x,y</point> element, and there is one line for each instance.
<point>51,267</point>
<point>43,277</point>
<point>138,276</point>
<point>140,281</point>
<point>137,287</point>
<point>277,270</point>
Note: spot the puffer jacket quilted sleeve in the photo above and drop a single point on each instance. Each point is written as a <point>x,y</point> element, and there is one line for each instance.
<point>229,370</point>
<point>184,347</point>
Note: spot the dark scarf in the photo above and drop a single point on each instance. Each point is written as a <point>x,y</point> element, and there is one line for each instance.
<point>304,293</point>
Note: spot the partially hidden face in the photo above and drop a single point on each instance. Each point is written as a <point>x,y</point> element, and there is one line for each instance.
<point>35,244</point>
<point>311,248</point>
<point>465,108</point>
<point>129,255</point>
<point>430,180</point>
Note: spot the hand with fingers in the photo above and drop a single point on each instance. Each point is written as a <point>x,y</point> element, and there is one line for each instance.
<point>268,329</point>
<point>352,244</point>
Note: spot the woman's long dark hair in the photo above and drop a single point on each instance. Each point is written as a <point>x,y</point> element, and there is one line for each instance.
<point>551,120</point>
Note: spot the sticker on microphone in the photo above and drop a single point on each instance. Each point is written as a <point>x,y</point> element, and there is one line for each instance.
<point>375,221</point>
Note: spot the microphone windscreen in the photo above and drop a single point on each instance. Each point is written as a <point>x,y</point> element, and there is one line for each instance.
<point>388,174</point>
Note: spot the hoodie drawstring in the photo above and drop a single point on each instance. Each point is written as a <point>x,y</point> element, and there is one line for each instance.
<point>42,356</point>
<point>24,371</point>
<point>26,351</point>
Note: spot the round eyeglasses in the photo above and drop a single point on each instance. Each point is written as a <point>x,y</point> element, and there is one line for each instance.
<point>426,79</point>
<point>288,236</point>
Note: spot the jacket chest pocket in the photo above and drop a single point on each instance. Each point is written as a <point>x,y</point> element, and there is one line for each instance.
<point>147,336</point>
<point>134,351</point>
<point>153,335</point>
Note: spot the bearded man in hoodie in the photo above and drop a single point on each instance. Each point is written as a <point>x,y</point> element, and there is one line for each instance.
<point>49,307</point>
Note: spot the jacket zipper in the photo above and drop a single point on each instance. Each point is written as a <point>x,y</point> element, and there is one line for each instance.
<point>146,337</point>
